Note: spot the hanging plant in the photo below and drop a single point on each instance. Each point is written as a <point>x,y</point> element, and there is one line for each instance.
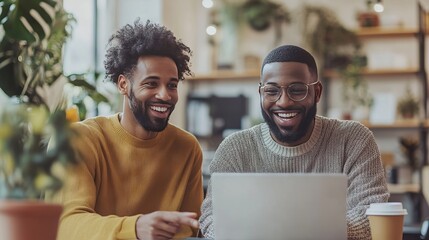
<point>260,14</point>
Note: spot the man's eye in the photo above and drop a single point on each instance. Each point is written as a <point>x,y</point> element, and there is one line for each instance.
<point>271,91</point>
<point>151,84</point>
<point>297,91</point>
<point>172,86</point>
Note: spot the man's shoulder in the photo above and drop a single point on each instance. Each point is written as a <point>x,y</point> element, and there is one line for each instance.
<point>94,124</point>
<point>344,127</point>
<point>173,131</point>
<point>245,134</point>
<point>340,123</point>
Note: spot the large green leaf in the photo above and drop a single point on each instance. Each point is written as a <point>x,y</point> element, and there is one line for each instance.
<point>15,13</point>
<point>90,89</point>
<point>4,6</point>
<point>8,80</point>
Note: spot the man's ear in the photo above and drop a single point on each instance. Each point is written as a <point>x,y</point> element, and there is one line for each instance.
<point>318,91</point>
<point>122,84</point>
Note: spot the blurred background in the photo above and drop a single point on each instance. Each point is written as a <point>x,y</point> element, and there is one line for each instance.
<point>372,60</point>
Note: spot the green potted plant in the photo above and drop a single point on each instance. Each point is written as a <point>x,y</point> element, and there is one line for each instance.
<point>408,106</point>
<point>327,38</point>
<point>261,14</point>
<point>337,49</point>
<point>31,41</point>
<point>356,97</point>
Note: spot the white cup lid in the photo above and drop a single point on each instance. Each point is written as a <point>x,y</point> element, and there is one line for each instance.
<point>388,208</point>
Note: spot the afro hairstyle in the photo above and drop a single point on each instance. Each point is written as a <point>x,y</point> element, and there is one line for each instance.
<point>130,43</point>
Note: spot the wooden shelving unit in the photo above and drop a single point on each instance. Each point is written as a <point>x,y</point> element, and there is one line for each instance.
<point>376,72</point>
<point>386,32</point>
<point>398,124</point>
<point>226,75</point>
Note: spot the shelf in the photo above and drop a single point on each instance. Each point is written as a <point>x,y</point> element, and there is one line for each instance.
<point>403,188</point>
<point>392,71</point>
<point>226,75</point>
<point>386,32</point>
<point>399,124</point>
<point>376,72</point>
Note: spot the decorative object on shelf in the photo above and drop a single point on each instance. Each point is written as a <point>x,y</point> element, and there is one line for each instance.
<point>408,106</point>
<point>370,17</point>
<point>409,147</point>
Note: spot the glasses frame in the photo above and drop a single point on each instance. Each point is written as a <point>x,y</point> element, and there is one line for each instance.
<point>286,87</point>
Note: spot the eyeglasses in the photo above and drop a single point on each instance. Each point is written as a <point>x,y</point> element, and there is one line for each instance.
<point>295,91</point>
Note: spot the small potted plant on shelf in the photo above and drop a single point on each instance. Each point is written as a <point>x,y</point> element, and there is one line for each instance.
<point>408,106</point>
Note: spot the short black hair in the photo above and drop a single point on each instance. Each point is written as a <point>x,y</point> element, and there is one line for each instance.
<point>291,53</point>
<point>131,42</point>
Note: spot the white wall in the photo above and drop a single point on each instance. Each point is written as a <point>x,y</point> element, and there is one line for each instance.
<point>188,20</point>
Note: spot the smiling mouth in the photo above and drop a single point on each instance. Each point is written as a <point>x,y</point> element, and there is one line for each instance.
<point>159,109</point>
<point>286,115</point>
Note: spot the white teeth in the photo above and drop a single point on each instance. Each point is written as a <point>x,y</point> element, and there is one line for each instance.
<point>287,115</point>
<point>159,109</point>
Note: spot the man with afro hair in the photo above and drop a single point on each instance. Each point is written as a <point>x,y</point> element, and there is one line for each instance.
<point>294,139</point>
<point>140,177</point>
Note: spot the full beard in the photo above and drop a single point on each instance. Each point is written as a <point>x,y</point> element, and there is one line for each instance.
<point>143,117</point>
<point>291,135</point>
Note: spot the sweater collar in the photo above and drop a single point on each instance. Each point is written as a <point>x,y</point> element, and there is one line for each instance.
<point>292,151</point>
<point>127,137</point>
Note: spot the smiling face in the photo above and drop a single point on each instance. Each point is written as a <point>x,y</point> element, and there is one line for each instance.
<point>290,122</point>
<point>151,92</point>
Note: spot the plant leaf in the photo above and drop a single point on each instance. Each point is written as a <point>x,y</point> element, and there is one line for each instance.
<point>19,12</point>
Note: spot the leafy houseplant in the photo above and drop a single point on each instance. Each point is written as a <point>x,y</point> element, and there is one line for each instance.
<point>32,35</point>
<point>27,168</point>
<point>355,88</point>
<point>328,39</point>
<point>409,147</point>
<point>337,48</point>
<point>408,106</point>
<point>30,67</point>
<point>261,14</point>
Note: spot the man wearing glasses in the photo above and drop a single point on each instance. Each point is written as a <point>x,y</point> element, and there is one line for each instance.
<point>295,139</point>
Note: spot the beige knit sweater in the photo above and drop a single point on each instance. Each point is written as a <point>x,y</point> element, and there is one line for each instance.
<point>335,146</point>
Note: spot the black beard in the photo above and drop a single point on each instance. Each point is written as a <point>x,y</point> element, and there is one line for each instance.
<point>142,115</point>
<point>291,137</point>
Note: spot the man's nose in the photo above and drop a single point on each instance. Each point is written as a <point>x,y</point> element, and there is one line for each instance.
<point>284,98</point>
<point>163,94</point>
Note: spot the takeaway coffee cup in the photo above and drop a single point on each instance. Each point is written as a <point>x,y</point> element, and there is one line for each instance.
<point>386,220</point>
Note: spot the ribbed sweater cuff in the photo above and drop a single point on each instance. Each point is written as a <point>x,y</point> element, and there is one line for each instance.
<point>128,230</point>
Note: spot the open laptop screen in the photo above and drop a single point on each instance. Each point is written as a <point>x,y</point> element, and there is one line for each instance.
<point>279,206</point>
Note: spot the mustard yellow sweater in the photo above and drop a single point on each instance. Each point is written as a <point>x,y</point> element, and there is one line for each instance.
<point>122,177</point>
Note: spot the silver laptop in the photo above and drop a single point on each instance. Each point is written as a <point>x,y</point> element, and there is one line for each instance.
<point>279,206</point>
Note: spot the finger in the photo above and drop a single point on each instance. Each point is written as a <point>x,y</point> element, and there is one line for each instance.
<point>185,218</point>
<point>160,234</point>
<point>172,228</point>
<point>189,214</point>
<point>188,218</point>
